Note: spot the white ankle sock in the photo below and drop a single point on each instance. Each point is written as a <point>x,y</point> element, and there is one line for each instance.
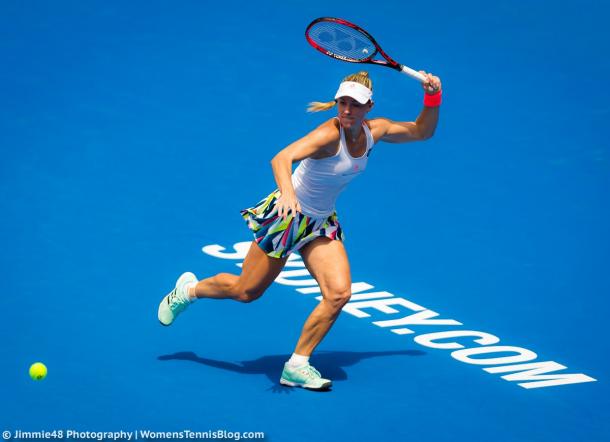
<point>190,291</point>
<point>298,360</point>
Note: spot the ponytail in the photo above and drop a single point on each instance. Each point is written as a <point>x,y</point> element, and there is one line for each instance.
<point>317,106</point>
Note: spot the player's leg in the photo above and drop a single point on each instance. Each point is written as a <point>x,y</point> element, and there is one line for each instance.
<point>327,262</point>
<point>258,272</point>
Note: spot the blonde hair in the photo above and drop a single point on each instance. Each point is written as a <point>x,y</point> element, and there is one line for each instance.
<point>361,77</point>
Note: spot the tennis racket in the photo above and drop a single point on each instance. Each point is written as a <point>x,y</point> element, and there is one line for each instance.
<point>346,41</point>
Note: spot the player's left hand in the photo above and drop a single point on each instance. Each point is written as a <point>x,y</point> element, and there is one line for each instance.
<point>432,84</point>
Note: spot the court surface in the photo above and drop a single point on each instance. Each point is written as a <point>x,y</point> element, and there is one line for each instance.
<point>132,133</point>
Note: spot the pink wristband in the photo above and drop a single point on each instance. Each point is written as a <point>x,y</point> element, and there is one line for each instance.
<point>433,100</point>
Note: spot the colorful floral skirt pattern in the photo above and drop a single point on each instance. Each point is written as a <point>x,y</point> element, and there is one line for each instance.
<point>280,237</point>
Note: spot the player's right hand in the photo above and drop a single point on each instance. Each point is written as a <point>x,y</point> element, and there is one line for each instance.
<point>287,204</point>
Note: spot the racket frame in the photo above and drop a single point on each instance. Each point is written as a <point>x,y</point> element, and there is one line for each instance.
<point>390,62</point>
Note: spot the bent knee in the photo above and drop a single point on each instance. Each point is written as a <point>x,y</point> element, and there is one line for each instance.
<point>248,295</point>
<point>338,297</point>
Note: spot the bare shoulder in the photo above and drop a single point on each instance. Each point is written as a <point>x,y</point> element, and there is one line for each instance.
<point>329,130</point>
<point>384,129</point>
<point>326,137</point>
<point>378,123</point>
<point>316,144</point>
<point>379,127</point>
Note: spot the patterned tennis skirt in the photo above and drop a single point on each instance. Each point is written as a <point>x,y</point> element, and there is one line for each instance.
<point>280,237</point>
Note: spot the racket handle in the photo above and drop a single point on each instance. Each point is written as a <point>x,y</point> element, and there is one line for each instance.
<point>412,73</point>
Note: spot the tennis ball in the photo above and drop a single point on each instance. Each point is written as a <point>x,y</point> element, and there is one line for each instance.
<point>38,371</point>
<point>365,51</point>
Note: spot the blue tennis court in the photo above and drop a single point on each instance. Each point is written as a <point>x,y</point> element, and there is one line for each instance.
<point>132,133</point>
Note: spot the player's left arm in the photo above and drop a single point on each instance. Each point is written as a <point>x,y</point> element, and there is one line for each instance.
<point>420,129</point>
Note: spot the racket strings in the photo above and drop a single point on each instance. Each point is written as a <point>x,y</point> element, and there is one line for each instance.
<point>342,40</point>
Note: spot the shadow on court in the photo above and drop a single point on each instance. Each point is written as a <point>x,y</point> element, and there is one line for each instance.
<point>331,363</point>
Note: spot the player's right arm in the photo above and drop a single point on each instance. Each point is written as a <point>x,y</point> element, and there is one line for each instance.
<point>324,137</point>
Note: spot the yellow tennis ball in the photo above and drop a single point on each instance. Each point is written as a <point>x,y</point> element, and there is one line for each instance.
<point>38,371</point>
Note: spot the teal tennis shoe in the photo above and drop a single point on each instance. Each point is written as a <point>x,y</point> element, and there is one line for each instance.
<point>305,376</point>
<point>175,301</point>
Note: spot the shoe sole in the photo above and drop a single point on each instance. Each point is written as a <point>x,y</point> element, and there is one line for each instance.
<point>186,275</point>
<point>160,322</point>
<point>324,386</point>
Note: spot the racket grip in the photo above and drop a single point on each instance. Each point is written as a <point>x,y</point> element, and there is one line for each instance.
<point>412,73</point>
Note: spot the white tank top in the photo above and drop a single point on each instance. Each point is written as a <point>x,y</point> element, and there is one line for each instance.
<point>318,182</point>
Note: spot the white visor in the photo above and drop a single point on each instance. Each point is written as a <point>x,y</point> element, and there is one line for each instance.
<point>357,91</point>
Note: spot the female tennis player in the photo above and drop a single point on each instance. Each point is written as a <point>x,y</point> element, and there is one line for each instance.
<point>300,215</point>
